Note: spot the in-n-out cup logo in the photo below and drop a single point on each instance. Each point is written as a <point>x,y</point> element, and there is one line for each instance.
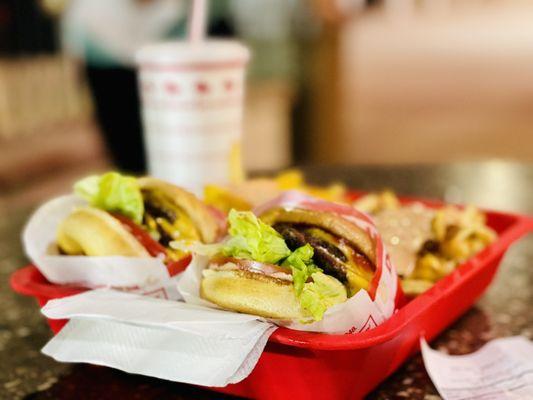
<point>192,101</point>
<point>170,86</point>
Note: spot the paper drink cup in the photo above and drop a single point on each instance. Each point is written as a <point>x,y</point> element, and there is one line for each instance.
<point>192,106</point>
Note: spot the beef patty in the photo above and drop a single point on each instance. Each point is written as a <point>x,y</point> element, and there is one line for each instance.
<point>326,255</point>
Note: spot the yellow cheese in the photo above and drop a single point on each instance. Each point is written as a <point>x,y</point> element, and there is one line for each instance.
<point>358,276</point>
<point>182,228</point>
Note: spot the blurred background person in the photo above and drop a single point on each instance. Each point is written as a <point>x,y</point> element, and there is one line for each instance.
<point>104,36</point>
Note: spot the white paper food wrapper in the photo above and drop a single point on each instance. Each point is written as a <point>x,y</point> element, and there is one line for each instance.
<point>142,275</point>
<point>164,339</point>
<point>361,312</point>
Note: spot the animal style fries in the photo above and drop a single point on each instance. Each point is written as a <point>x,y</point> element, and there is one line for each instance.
<point>426,244</point>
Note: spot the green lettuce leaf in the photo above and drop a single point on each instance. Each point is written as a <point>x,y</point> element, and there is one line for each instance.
<point>252,239</point>
<point>321,292</point>
<point>324,292</point>
<point>113,192</point>
<point>300,261</point>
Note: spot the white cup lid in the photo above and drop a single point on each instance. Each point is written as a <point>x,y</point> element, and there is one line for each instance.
<point>184,53</point>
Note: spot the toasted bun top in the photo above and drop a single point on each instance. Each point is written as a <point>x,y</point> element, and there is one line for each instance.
<point>93,232</point>
<point>201,216</point>
<point>328,221</point>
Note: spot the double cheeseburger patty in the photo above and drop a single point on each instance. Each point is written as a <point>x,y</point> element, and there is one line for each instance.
<point>347,258</point>
<point>334,255</point>
<point>171,213</point>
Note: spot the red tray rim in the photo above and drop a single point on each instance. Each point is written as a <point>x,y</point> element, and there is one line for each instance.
<point>26,281</point>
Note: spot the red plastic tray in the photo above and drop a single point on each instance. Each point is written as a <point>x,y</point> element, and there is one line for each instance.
<point>300,365</point>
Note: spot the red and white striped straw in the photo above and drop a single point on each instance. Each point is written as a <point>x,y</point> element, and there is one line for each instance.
<point>197,21</point>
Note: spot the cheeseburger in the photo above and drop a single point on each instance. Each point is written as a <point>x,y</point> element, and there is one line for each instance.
<point>288,263</point>
<point>135,217</point>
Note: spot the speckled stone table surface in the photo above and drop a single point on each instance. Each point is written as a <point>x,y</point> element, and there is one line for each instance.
<point>505,309</point>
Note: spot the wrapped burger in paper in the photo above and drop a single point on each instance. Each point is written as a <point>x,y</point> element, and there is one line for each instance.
<point>114,232</point>
<point>307,264</point>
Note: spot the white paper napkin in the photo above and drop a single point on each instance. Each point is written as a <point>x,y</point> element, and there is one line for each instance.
<point>160,338</point>
<point>502,369</point>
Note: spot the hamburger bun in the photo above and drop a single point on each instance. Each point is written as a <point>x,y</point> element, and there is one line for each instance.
<point>251,293</point>
<point>93,232</point>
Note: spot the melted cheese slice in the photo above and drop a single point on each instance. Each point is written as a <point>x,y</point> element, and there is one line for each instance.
<point>182,228</point>
<point>358,275</point>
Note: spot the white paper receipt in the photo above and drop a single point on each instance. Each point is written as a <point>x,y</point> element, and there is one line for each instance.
<point>500,370</point>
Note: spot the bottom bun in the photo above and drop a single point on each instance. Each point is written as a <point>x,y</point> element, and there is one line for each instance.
<point>251,293</point>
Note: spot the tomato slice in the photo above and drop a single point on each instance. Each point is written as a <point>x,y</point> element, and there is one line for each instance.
<point>153,247</point>
<point>252,266</point>
<point>175,267</point>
